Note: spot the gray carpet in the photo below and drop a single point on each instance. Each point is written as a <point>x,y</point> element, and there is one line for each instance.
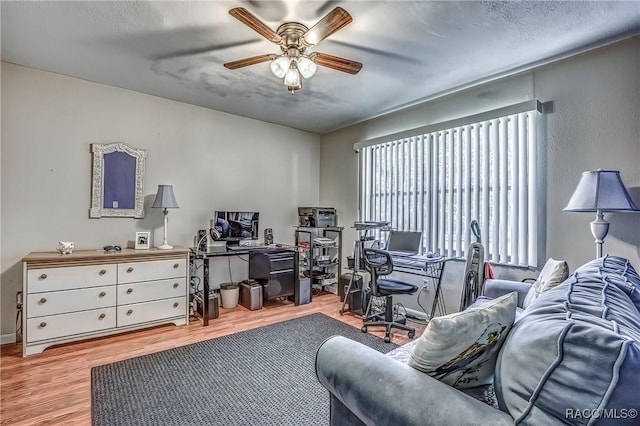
<point>264,376</point>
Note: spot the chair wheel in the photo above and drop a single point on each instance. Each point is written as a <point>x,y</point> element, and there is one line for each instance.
<point>387,339</point>
<point>411,334</point>
<point>363,329</point>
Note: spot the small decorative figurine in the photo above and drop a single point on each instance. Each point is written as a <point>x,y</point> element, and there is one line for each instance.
<point>65,247</point>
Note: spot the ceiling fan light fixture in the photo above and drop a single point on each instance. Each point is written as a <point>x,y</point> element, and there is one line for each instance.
<point>292,78</point>
<point>280,66</point>
<point>292,89</point>
<point>306,67</point>
<point>293,64</point>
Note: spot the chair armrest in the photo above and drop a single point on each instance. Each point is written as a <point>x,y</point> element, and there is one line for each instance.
<point>382,391</point>
<point>496,288</point>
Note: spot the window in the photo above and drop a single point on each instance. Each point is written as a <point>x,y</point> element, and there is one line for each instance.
<point>439,178</point>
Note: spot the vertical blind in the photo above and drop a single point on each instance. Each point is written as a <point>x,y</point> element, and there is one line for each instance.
<point>438,182</point>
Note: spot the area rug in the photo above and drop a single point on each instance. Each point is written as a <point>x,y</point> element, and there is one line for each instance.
<point>264,376</point>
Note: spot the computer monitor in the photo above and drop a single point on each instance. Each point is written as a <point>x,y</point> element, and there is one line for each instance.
<point>234,225</point>
<point>404,243</point>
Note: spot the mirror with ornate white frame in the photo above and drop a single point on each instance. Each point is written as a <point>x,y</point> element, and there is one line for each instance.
<point>117,188</point>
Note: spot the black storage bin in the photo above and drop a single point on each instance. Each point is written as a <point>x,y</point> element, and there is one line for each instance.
<point>212,301</point>
<point>355,297</point>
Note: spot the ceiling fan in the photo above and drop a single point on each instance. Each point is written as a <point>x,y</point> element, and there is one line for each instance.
<point>295,63</point>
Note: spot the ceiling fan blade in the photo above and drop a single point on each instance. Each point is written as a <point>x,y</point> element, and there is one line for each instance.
<point>332,22</point>
<point>250,61</point>
<point>244,16</point>
<point>336,63</point>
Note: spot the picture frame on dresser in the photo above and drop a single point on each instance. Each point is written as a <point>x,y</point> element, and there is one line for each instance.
<point>142,240</point>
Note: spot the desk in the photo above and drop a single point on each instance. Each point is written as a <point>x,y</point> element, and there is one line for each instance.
<point>430,268</point>
<point>236,251</point>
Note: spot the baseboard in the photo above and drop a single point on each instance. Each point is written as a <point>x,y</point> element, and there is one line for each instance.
<point>7,338</point>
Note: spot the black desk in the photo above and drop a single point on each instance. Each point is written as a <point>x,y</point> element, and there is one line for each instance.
<point>430,268</point>
<point>235,251</point>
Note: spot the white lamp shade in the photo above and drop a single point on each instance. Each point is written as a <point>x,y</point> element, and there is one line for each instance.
<point>601,190</point>
<point>165,198</point>
<point>292,79</point>
<point>307,67</point>
<point>280,66</point>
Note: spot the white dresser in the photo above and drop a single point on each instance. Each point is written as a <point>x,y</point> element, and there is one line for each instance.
<point>91,293</point>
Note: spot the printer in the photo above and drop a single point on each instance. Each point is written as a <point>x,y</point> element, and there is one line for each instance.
<point>317,217</point>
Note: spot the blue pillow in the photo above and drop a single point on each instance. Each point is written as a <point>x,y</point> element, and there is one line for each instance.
<point>574,355</point>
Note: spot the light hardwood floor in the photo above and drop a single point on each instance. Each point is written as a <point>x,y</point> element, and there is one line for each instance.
<point>55,388</point>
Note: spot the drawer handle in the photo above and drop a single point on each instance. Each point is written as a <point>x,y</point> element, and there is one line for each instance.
<point>43,324</point>
<point>176,265</point>
<point>175,305</point>
<point>43,300</point>
<point>175,285</point>
<point>102,271</point>
<point>129,270</point>
<point>102,294</point>
<point>129,290</point>
<point>43,276</point>
<point>101,316</point>
<point>130,311</point>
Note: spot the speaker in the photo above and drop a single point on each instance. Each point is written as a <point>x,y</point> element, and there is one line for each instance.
<point>268,236</point>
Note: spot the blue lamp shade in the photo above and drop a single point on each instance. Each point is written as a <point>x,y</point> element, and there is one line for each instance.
<point>600,190</point>
<point>165,198</point>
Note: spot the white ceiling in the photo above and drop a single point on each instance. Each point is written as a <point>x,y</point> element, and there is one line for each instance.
<point>411,50</point>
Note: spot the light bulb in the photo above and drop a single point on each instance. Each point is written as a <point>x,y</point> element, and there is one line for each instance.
<point>306,66</point>
<point>293,77</point>
<point>280,66</point>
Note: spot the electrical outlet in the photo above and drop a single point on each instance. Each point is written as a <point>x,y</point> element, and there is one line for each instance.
<point>425,284</point>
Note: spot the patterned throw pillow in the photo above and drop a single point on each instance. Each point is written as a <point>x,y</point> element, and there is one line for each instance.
<point>460,349</point>
<point>553,273</point>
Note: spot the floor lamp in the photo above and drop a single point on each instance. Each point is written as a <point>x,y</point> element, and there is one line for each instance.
<point>600,191</point>
<point>165,199</point>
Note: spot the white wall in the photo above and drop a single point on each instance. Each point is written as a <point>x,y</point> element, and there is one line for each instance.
<point>215,161</point>
<point>595,124</point>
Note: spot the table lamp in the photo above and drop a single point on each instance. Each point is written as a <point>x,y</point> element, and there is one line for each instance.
<point>165,199</point>
<point>600,191</point>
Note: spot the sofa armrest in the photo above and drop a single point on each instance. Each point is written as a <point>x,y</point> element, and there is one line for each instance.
<point>382,391</point>
<point>496,288</point>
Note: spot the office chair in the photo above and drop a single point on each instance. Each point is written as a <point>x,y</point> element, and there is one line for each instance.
<point>379,264</point>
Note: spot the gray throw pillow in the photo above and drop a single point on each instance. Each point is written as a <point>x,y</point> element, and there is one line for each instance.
<point>460,349</point>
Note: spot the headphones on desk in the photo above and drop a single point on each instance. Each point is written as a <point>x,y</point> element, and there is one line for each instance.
<point>215,234</point>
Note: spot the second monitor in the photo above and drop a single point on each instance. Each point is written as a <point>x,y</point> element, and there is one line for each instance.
<point>404,243</point>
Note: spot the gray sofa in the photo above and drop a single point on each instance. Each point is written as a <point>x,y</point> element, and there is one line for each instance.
<point>572,357</point>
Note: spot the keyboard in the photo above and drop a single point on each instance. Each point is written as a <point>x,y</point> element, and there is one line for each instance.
<point>415,261</point>
<point>401,253</point>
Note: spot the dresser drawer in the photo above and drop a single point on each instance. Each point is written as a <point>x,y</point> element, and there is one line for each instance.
<point>151,311</point>
<point>153,270</point>
<point>151,290</point>
<point>53,279</point>
<point>61,302</point>
<point>54,326</point>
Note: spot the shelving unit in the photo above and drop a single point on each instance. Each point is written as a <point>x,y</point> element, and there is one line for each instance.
<point>320,256</point>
